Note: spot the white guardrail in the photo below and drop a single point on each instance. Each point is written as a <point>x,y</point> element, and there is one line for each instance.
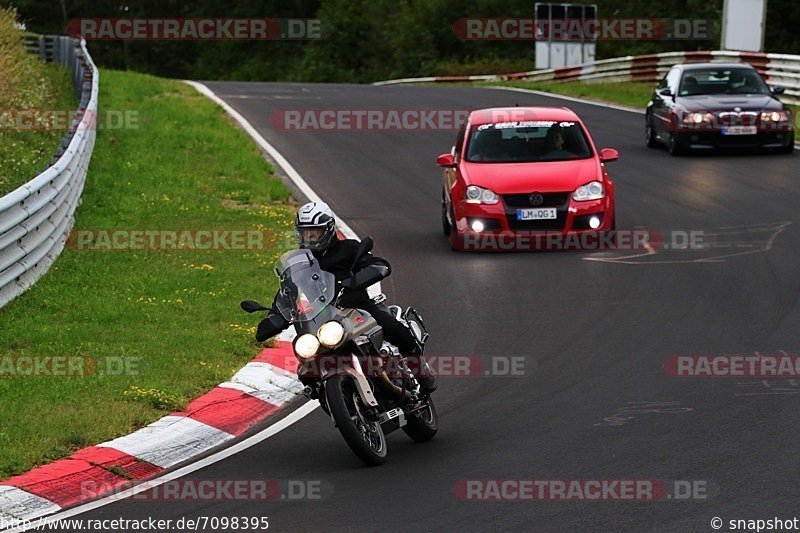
<point>777,69</point>
<point>36,218</point>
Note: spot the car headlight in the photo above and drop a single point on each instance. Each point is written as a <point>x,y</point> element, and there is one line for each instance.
<point>330,334</point>
<point>697,118</point>
<point>479,195</point>
<point>591,191</point>
<point>306,346</point>
<point>774,116</point>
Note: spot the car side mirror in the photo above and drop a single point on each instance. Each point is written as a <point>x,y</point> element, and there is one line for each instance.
<point>446,161</point>
<point>665,92</point>
<point>608,154</point>
<point>777,89</point>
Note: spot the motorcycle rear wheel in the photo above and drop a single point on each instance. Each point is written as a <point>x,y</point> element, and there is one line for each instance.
<point>364,437</point>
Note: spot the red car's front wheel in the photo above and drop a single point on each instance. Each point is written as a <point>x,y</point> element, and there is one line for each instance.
<point>446,226</point>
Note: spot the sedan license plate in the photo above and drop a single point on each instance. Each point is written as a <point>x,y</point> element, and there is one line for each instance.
<point>739,130</point>
<point>545,213</point>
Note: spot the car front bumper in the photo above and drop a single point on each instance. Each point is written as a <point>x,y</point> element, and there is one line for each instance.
<point>571,229</point>
<point>711,139</point>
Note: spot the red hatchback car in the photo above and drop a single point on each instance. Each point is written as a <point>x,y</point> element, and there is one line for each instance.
<point>523,178</point>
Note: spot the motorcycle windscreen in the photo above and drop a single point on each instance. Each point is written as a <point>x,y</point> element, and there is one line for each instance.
<point>306,290</point>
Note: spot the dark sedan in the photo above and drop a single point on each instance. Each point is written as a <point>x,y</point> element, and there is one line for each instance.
<point>717,105</point>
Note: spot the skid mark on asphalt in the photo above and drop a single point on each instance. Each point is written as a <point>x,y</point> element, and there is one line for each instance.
<point>632,410</point>
<point>714,247</point>
<point>766,387</point>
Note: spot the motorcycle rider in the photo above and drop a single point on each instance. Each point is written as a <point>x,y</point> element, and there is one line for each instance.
<point>315,230</point>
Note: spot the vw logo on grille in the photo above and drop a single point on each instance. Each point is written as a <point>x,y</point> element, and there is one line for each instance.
<point>536,199</point>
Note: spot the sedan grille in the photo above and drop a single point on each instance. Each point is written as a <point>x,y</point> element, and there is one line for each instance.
<point>734,118</point>
<point>522,201</point>
<point>559,200</point>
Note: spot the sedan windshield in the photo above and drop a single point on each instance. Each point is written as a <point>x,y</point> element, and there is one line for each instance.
<point>722,81</point>
<point>526,142</point>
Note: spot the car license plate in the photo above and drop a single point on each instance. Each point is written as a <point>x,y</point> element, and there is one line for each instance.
<point>739,130</point>
<point>545,213</point>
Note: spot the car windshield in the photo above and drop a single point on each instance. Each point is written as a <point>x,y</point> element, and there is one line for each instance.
<point>527,142</point>
<point>306,290</point>
<point>722,81</point>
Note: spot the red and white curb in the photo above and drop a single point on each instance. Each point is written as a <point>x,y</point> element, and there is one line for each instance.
<point>257,391</point>
<point>254,393</point>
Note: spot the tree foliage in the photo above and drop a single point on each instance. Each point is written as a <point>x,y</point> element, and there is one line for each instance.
<point>370,39</point>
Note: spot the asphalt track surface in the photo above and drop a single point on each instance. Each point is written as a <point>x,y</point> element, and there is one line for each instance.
<point>594,335</point>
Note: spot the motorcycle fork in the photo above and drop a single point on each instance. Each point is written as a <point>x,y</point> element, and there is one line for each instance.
<point>363,387</point>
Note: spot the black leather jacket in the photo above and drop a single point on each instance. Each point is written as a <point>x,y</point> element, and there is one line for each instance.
<point>339,258</point>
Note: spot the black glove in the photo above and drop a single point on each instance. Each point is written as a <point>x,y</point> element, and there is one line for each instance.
<point>349,283</point>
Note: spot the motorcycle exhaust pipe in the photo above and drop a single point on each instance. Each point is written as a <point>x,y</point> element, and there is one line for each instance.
<point>386,383</point>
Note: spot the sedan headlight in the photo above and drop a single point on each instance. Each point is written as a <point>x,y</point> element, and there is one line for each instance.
<point>479,195</point>
<point>330,334</point>
<point>591,191</point>
<point>697,118</point>
<point>306,346</point>
<point>774,116</point>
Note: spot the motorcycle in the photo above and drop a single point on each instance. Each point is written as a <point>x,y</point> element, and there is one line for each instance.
<point>361,381</point>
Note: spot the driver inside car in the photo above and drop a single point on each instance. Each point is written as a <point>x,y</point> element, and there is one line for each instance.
<point>554,142</point>
<point>315,230</point>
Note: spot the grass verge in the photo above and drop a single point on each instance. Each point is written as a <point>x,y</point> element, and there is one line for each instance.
<point>27,84</point>
<point>171,315</point>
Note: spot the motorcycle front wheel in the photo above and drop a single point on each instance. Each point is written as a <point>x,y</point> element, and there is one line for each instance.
<point>422,425</point>
<point>364,437</point>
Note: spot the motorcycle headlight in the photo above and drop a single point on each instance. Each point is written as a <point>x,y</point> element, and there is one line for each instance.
<point>306,346</point>
<point>479,195</point>
<point>591,191</point>
<point>330,334</point>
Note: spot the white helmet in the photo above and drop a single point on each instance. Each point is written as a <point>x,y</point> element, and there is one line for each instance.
<point>315,226</point>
